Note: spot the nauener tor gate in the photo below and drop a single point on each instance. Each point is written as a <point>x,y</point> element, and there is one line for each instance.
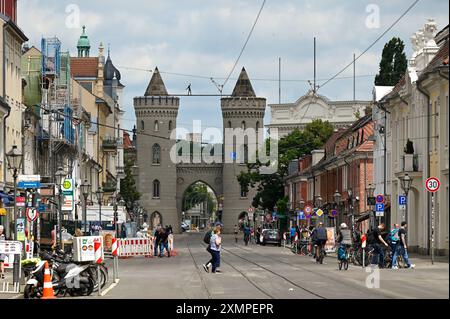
<point>162,182</point>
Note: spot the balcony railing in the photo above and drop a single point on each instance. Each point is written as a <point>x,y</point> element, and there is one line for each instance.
<point>109,145</point>
<point>412,163</point>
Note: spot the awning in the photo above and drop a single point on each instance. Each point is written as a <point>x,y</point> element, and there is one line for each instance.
<point>363,217</point>
<point>6,199</point>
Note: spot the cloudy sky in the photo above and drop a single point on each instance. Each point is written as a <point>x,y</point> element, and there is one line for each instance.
<point>204,38</point>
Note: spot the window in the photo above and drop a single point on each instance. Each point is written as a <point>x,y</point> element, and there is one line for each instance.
<point>156,186</point>
<point>156,127</point>
<point>142,126</point>
<point>170,125</point>
<point>243,125</point>
<point>257,127</point>
<point>156,154</point>
<point>229,124</point>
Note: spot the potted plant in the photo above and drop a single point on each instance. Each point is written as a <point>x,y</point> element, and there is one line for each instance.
<point>409,156</point>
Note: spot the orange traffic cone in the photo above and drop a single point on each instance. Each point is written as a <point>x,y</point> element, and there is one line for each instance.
<point>48,292</point>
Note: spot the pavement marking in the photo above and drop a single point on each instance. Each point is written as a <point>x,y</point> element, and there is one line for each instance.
<point>110,287</point>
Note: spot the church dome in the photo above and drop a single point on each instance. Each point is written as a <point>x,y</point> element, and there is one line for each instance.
<point>83,42</point>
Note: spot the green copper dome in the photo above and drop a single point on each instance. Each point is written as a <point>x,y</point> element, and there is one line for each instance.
<point>83,42</point>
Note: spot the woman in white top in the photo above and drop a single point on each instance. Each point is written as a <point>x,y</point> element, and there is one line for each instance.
<point>216,244</point>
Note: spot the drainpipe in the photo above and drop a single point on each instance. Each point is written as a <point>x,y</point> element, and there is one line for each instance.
<point>427,96</point>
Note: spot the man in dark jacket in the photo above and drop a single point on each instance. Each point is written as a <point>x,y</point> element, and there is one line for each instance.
<point>164,239</point>
<point>157,241</point>
<point>319,238</point>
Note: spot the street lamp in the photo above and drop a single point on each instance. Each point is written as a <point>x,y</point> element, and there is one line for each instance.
<point>99,194</point>
<point>15,158</point>
<point>406,182</point>
<point>319,201</point>
<point>85,190</point>
<point>370,190</point>
<point>59,174</point>
<point>350,203</point>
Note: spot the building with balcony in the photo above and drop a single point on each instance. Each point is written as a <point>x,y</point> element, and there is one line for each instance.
<point>417,140</point>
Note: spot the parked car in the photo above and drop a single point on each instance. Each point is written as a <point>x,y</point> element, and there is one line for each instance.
<point>271,236</point>
<point>184,226</point>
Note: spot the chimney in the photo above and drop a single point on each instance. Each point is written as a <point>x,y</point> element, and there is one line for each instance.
<point>317,155</point>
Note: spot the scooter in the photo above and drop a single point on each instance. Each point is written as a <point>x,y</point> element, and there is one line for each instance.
<point>35,283</point>
<point>76,281</point>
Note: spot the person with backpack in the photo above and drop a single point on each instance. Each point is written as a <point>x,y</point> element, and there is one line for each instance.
<point>375,240</point>
<point>164,242</point>
<point>157,240</point>
<point>344,238</point>
<point>402,248</point>
<point>392,239</point>
<point>319,238</point>
<point>207,240</point>
<point>216,245</point>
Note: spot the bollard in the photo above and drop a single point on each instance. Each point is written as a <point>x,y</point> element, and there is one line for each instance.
<point>115,247</point>
<point>98,261</point>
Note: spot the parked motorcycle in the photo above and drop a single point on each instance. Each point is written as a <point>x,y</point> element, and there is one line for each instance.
<point>66,278</point>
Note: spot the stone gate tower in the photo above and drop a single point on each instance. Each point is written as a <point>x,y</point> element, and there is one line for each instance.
<point>242,110</point>
<point>156,115</point>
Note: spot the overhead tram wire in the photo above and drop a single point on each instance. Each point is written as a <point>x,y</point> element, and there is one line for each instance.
<point>245,44</point>
<point>370,46</point>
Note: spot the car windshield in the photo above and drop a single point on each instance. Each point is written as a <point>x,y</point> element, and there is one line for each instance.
<point>272,232</point>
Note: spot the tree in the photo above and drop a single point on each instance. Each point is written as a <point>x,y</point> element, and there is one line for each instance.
<point>196,194</point>
<point>128,190</point>
<point>270,187</point>
<point>393,63</point>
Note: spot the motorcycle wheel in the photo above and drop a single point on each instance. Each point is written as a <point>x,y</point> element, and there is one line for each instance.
<point>30,292</point>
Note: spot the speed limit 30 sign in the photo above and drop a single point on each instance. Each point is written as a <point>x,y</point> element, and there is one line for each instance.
<point>432,184</point>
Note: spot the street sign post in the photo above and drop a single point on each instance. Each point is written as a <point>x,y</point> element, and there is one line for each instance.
<point>402,201</point>
<point>380,198</point>
<point>32,214</point>
<point>67,195</point>
<point>379,209</point>
<point>432,185</point>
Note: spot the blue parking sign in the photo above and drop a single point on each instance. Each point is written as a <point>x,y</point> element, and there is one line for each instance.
<point>379,207</point>
<point>402,199</point>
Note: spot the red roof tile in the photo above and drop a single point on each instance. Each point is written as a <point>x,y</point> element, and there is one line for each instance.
<point>84,67</point>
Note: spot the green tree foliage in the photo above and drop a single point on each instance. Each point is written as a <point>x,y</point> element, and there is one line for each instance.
<point>270,187</point>
<point>393,63</point>
<point>196,194</point>
<point>128,190</point>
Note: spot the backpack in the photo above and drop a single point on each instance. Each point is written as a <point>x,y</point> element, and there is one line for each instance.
<point>321,234</point>
<point>207,238</point>
<point>393,236</point>
<point>341,253</point>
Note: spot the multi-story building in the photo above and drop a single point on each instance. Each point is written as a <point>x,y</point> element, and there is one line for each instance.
<point>288,116</point>
<point>418,112</point>
<point>11,106</point>
<point>341,170</point>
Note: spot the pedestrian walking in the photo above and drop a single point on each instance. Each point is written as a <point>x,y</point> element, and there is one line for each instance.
<point>375,239</point>
<point>157,241</point>
<point>236,232</point>
<point>392,239</point>
<point>292,234</point>
<point>164,242</point>
<point>216,244</point>
<point>2,256</point>
<point>246,234</point>
<point>402,248</point>
<point>207,240</point>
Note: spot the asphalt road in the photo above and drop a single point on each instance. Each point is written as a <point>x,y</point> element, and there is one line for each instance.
<point>269,272</point>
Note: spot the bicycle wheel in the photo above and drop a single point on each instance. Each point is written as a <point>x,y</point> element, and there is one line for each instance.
<point>304,250</point>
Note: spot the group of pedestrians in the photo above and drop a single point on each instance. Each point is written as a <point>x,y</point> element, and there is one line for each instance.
<point>161,240</point>
<point>395,240</point>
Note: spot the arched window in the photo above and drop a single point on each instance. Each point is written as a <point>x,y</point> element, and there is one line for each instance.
<point>170,126</point>
<point>245,153</point>
<point>142,125</point>
<point>156,154</point>
<point>229,124</point>
<point>156,127</point>
<point>243,125</point>
<point>257,126</point>
<point>156,186</point>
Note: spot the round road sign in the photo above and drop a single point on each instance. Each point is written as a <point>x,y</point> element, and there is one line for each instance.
<point>308,209</point>
<point>432,184</point>
<point>32,214</point>
<point>380,198</point>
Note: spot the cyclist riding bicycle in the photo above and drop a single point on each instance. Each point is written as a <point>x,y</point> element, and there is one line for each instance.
<point>319,238</point>
<point>344,238</point>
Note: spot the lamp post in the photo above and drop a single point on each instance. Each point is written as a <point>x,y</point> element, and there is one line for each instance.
<point>370,190</point>
<point>99,194</point>
<point>406,182</point>
<point>85,190</point>
<point>59,174</point>
<point>350,206</point>
<point>337,199</point>
<point>15,158</point>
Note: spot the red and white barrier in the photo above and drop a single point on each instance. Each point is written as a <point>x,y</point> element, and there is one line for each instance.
<point>98,251</point>
<point>130,247</point>
<point>115,247</point>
